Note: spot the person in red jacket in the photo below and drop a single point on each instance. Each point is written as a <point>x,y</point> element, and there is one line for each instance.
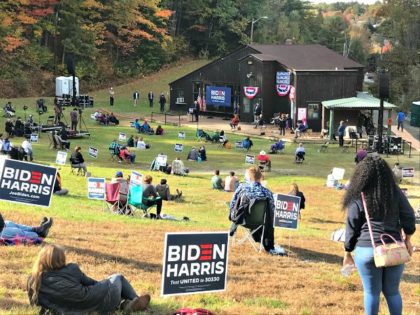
<point>264,160</point>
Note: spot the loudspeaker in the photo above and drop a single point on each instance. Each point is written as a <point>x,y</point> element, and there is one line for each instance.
<point>70,64</point>
<point>383,85</point>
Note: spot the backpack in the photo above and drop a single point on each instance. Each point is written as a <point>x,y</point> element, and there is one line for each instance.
<point>192,311</point>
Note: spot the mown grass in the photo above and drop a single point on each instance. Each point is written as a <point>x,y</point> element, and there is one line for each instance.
<point>308,281</point>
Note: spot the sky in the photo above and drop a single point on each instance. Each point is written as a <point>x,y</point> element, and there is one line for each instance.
<point>332,1</point>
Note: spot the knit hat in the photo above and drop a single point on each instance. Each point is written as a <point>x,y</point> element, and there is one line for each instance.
<point>262,152</point>
<point>119,174</point>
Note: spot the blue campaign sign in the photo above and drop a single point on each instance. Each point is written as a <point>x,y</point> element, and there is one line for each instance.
<point>27,183</point>
<point>216,95</point>
<point>286,213</point>
<point>96,188</point>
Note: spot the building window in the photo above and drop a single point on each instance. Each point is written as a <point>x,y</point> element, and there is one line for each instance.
<point>247,105</point>
<point>313,111</point>
<point>196,89</point>
<point>180,97</point>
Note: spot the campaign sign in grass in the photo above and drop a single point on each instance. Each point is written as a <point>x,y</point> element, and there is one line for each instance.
<point>34,137</point>
<point>122,136</point>
<point>181,135</point>
<point>179,147</point>
<point>61,158</point>
<point>194,263</point>
<point>286,213</point>
<point>93,152</point>
<point>27,183</point>
<point>96,188</point>
<point>408,172</point>
<point>136,178</point>
<point>249,159</point>
<point>239,145</point>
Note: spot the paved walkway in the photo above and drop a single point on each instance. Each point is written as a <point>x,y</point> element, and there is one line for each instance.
<point>415,144</point>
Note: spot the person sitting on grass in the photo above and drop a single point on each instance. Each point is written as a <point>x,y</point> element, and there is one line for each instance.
<point>150,196</point>
<point>141,144</point>
<point>130,142</point>
<point>300,153</point>
<point>247,143</point>
<point>64,289</point>
<point>58,189</point>
<point>112,119</point>
<point>164,192</point>
<point>137,125</point>
<point>296,192</point>
<point>178,167</point>
<point>231,182</point>
<point>146,128</point>
<point>202,153</point>
<point>159,130</point>
<point>192,155</point>
<point>216,181</point>
<point>10,230</point>
<point>77,160</point>
<point>126,155</point>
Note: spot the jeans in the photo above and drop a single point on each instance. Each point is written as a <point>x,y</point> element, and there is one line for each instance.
<point>120,290</point>
<point>12,230</point>
<point>400,125</point>
<point>376,280</point>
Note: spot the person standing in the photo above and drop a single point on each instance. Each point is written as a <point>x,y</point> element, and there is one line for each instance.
<point>400,119</point>
<point>282,125</point>
<point>257,114</point>
<point>341,130</point>
<point>388,125</point>
<point>74,119</point>
<point>196,110</point>
<point>150,97</point>
<point>389,213</point>
<point>162,102</point>
<point>136,97</point>
<point>111,96</point>
<point>57,112</point>
<point>296,192</point>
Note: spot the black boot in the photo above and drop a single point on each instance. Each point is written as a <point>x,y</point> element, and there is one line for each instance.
<point>44,228</point>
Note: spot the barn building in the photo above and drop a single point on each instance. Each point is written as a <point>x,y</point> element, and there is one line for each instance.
<point>291,79</point>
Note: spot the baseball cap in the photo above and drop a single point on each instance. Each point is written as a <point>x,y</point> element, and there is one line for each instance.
<point>119,174</point>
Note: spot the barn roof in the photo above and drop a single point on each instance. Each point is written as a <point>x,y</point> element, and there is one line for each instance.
<point>362,101</point>
<point>304,57</point>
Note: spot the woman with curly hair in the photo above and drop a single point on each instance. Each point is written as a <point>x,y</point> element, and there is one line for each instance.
<point>389,213</point>
<point>64,288</point>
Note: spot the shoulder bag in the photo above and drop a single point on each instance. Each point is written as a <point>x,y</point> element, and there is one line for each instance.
<point>386,255</point>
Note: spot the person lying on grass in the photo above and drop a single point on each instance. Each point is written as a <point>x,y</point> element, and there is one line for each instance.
<point>11,230</point>
<point>64,288</point>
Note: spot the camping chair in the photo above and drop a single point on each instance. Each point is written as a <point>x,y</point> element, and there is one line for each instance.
<point>346,147</point>
<point>135,199</point>
<point>253,222</point>
<point>222,141</point>
<point>324,147</point>
<point>114,198</point>
<point>53,144</point>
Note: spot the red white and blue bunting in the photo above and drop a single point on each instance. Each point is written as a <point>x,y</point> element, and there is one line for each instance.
<point>282,89</point>
<point>251,91</point>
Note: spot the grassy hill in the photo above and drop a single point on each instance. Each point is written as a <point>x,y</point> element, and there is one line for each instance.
<point>307,282</point>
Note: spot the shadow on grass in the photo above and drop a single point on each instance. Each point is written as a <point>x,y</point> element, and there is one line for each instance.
<point>317,220</point>
<point>146,266</point>
<point>313,256</point>
<point>409,278</point>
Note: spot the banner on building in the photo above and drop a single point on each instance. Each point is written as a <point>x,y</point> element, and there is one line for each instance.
<point>251,91</point>
<point>292,93</point>
<point>27,183</point>
<point>96,188</point>
<point>282,83</point>
<point>286,213</point>
<point>220,96</point>
<point>194,263</point>
<point>301,114</point>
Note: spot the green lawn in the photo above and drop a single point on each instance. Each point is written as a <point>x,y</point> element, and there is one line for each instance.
<point>306,282</point>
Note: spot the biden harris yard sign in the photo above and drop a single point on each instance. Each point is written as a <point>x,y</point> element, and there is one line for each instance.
<point>27,183</point>
<point>194,263</point>
<point>216,95</point>
<point>286,213</point>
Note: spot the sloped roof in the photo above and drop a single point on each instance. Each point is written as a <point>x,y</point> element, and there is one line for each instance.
<point>305,57</point>
<point>362,101</point>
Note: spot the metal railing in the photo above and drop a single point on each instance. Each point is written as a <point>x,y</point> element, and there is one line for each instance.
<point>166,118</point>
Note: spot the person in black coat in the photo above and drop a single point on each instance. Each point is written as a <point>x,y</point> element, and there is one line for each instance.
<point>162,102</point>
<point>296,192</point>
<point>77,160</point>
<point>64,288</point>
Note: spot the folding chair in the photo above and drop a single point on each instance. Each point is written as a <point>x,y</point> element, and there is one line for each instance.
<point>74,168</point>
<point>114,198</point>
<point>324,147</point>
<point>135,199</point>
<point>254,221</point>
<point>222,140</point>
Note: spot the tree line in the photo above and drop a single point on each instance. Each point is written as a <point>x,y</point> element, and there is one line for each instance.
<point>115,39</point>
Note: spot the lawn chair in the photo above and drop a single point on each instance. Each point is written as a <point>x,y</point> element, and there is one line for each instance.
<point>116,200</point>
<point>135,200</point>
<point>346,147</point>
<point>254,221</point>
<point>222,141</point>
<point>202,135</point>
<point>324,147</point>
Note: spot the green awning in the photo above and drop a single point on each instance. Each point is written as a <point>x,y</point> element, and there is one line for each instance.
<point>362,101</point>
